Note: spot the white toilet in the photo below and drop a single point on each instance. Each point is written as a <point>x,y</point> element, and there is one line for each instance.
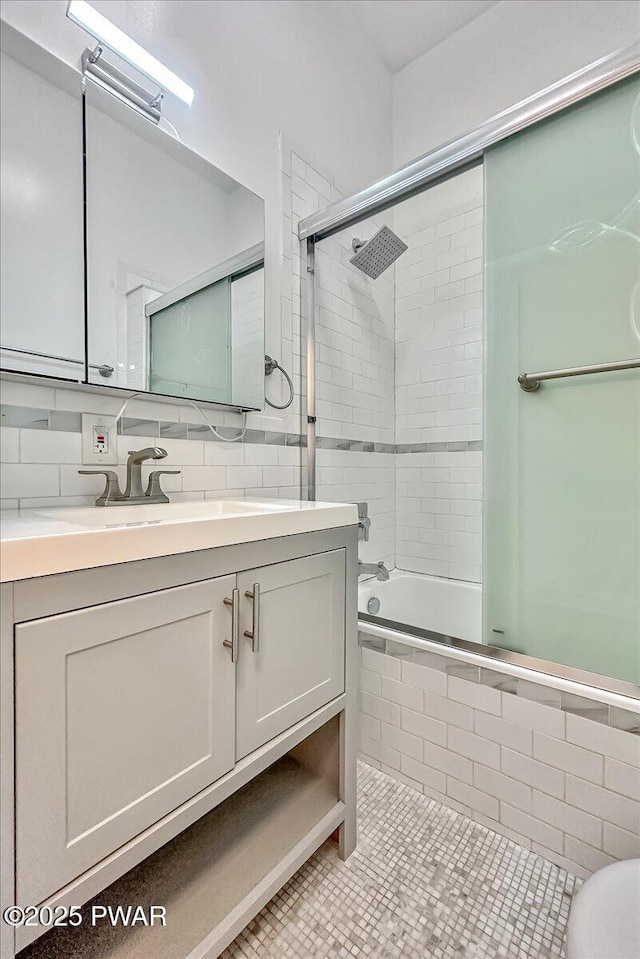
<point>604,922</point>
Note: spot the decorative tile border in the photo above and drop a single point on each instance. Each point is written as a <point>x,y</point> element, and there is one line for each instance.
<point>41,419</point>
<point>24,417</point>
<point>353,446</point>
<point>452,446</point>
<point>592,709</point>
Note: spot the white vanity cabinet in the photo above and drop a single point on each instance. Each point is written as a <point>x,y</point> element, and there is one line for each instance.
<point>123,711</point>
<point>147,698</point>
<point>297,664</point>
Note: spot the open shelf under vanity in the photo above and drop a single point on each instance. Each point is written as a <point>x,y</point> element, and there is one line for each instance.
<point>213,877</point>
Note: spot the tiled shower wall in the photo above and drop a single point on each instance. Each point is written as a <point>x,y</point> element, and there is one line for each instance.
<point>400,370</point>
<point>355,336</point>
<point>354,370</point>
<point>438,375</point>
<point>355,387</point>
<point>439,513</point>
<point>556,773</point>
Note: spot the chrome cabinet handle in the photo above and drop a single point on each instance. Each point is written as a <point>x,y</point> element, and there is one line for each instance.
<point>254,633</point>
<point>234,643</point>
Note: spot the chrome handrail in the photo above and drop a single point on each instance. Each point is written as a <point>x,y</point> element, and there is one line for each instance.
<point>103,368</point>
<point>530,382</point>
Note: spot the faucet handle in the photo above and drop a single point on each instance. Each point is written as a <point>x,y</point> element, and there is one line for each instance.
<point>154,491</point>
<point>111,492</point>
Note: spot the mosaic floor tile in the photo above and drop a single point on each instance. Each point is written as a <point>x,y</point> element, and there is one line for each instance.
<point>424,881</point>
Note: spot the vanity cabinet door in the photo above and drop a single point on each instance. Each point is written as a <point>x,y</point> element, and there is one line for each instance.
<point>123,712</point>
<point>298,664</point>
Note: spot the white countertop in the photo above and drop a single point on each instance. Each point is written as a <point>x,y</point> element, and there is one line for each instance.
<point>42,542</point>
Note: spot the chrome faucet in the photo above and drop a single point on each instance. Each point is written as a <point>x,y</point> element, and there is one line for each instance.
<point>134,493</point>
<point>379,570</point>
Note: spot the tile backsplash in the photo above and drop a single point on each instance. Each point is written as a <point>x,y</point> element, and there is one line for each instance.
<point>41,449</point>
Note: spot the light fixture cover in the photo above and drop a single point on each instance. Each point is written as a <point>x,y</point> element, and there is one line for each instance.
<point>111,36</point>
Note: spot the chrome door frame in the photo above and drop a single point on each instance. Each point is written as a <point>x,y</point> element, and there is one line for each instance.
<point>467,150</point>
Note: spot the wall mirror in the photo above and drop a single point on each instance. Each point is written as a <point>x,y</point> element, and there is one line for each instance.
<point>41,257</point>
<point>175,264</point>
<point>174,252</point>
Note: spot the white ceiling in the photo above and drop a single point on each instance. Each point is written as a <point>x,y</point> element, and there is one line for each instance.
<point>402,30</point>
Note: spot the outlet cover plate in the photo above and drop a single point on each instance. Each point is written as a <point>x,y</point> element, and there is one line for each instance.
<point>90,455</point>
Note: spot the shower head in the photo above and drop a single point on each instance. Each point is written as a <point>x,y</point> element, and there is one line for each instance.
<point>375,255</point>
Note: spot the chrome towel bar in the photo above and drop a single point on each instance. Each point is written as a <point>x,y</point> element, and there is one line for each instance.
<point>530,382</point>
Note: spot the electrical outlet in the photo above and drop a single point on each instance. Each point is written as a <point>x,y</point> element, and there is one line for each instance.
<point>99,439</point>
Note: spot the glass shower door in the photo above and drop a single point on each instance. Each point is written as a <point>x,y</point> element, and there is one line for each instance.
<point>562,465</point>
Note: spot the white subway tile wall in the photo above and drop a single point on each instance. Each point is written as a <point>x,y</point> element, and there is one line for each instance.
<point>439,328</point>
<point>399,360</point>
<point>438,378</point>
<point>355,336</point>
<point>304,191</point>
<point>504,760</point>
<point>353,477</point>
<point>40,465</point>
<point>355,365</point>
<point>439,514</point>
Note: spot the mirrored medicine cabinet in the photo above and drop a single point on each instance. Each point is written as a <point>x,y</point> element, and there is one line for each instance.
<point>128,260</point>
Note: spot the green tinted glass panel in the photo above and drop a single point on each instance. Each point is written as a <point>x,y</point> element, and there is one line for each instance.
<point>562,470</point>
<point>190,346</point>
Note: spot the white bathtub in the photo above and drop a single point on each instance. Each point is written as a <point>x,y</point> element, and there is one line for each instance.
<point>453,608</point>
<point>447,606</point>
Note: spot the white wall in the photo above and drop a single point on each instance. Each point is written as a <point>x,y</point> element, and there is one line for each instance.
<point>510,52</point>
<point>257,67</point>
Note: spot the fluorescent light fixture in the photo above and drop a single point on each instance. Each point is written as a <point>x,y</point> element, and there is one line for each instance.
<point>111,36</point>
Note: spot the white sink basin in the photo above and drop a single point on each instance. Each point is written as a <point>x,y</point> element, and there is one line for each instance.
<point>42,542</point>
<point>106,516</point>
